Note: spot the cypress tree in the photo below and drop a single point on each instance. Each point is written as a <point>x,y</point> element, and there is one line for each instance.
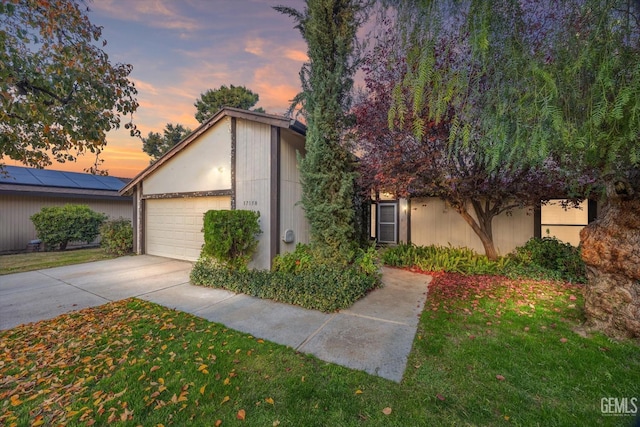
<point>328,176</point>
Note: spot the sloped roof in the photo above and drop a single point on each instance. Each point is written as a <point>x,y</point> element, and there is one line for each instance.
<point>270,119</point>
<point>17,175</point>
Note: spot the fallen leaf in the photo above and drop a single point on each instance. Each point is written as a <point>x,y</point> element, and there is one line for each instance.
<point>359,391</point>
<point>202,389</point>
<point>241,415</point>
<point>218,423</point>
<point>154,368</point>
<point>387,411</point>
<point>440,397</point>
<point>500,377</point>
<point>15,400</point>
<point>276,423</point>
<point>269,400</point>
<point>563,340</point>
<point>225,399</point>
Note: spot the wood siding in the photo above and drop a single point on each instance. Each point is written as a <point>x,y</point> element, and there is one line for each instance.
<point>16,228</point>
<point>253,178</point>
<point>433,222</point>
<point>292,215</point>
<point>204,165</point>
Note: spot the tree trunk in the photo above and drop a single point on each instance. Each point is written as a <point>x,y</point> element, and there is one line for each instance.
<point>484,233</point>
<point>611,251</point>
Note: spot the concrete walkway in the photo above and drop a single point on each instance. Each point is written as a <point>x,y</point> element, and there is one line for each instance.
<point>374,335</point>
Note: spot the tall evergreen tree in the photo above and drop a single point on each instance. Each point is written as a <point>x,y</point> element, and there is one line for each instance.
<point>329,28</point>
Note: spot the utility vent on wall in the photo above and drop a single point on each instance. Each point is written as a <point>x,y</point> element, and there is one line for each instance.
<point>288,236</point>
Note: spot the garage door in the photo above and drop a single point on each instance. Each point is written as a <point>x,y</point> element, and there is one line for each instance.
<point>173,227</point>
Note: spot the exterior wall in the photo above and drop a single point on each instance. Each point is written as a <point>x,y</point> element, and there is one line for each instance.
<point>253,172</point>
<point>16,228</point>
<point>204,165</point>
<point>174,226</point>
<point>433,222</point>
<point>292,215</point>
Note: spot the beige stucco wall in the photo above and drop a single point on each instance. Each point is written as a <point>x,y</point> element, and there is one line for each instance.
<point>204,165</point>
<point>16,228</point>
<point>433,222</point>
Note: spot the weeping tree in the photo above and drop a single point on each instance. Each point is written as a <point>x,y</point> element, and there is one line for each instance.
<point>329,28</point>
<point>426,158</point>
<point>563,84</point>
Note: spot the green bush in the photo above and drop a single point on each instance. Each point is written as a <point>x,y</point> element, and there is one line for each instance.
<point>56,226</point>
<point>318,287</point>
<point>230,237</point>
<point>440,258</point>
<point>548,258</point>
<point>117,236</point>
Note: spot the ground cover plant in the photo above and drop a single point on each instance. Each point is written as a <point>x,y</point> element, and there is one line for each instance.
<point>488,351</point>
<point>19,263</point>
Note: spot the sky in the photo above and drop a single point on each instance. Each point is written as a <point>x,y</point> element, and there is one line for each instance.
<point>181,48</point>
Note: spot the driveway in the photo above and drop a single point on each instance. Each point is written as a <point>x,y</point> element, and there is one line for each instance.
<point>374,335</point>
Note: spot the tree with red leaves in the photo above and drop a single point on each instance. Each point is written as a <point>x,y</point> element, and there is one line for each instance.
<point>397,159</point>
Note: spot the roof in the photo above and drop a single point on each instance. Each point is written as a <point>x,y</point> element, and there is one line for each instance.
<point>270,119</point>
<point>23,180</point>
<point>52,178</point>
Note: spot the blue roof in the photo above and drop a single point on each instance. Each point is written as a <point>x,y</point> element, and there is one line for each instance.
<point>50,178</point>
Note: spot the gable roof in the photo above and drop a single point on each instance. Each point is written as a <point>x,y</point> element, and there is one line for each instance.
<point>270,119</point>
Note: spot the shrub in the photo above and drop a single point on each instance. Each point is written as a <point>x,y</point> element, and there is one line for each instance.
<point>440,258</point>
<point>230,237</point>
<point>117,236</point>
<point>548,258</point>
<point>318,287</point>
<point>56,226</point>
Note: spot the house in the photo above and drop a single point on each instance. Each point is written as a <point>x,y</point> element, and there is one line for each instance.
<point>237,159</point>
<point>25,191</point>
<point>431,221</point>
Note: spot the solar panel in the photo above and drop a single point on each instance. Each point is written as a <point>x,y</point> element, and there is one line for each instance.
<point>53,178</point>
<point>17,175</point>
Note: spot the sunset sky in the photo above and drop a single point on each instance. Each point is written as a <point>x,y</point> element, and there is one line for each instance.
<point>181,48</point>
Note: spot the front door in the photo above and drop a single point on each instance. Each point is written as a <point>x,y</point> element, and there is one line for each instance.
<point>387,222</point>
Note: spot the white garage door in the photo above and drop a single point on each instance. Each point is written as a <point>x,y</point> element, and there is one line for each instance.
<point>173,227</point>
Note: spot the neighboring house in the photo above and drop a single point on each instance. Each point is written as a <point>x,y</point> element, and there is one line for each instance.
<point>431,221</point>
<point>25,191</point>
<point>237,159</point>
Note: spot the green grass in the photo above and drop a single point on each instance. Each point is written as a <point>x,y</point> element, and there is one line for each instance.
<point>489,351</point>
<point>19,263</point>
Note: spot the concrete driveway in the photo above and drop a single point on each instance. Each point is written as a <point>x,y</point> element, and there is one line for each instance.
<point>374,335</point>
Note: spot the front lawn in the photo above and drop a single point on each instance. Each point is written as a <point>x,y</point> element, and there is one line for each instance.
<point>488,351</point>
<point>19,263</point>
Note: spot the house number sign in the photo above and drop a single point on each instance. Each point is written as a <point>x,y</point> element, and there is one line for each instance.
<point>250,203</point>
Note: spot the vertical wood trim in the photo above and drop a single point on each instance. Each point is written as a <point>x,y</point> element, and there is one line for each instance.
<point>537,222</point>
<point>141,223</point>
<point>274,208</point>
<point>408,221</point>
<point>592,211</point>
<point>233,162</point>
<point>134,219</point>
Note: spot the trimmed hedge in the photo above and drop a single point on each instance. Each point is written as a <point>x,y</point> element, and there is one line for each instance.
<point>230,237</point>
<point>320,287</point>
